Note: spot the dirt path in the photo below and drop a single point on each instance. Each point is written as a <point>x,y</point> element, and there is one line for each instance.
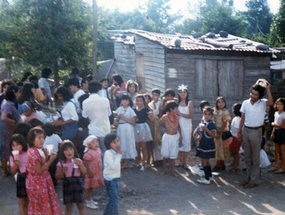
<point>151,193</point>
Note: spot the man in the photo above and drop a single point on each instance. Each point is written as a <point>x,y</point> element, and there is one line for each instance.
<point>252,119</point>
<point>73,85</point>
<point>97,110</point>
<point>84,85</point>
<point>44,85</point>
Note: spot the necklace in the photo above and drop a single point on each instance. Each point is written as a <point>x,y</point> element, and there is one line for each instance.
<point>175,120</point>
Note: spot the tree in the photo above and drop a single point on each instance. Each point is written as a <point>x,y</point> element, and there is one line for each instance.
<point>279,22</point>
<point>48,33</point>
<point>258,16</point>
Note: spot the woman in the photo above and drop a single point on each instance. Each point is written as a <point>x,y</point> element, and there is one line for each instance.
<point>28,95</point>
<point>69,117</point>
<point>10,116</point>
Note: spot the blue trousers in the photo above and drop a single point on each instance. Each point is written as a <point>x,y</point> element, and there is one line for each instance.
<point>112,188</point>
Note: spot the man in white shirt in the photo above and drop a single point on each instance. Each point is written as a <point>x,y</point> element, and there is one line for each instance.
<point>97,110</point>
<point>44,85</point>
<point>252,119</point>
<point>73,85</point>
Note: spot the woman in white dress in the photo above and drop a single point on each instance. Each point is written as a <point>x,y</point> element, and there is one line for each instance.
<point>185,114</point>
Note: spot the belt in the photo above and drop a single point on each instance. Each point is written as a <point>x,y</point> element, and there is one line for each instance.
<point>255,128</point>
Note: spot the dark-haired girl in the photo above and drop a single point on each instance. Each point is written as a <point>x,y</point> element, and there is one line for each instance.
<point>278,136</point>
<point>18,166</point>
<point>68,169</point>
<point>40,189</point>
<point>125,131</point>
<point>9,116</point>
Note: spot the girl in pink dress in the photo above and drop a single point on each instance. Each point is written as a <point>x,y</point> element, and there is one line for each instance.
<point>93,162</point>
<point>40,189</point>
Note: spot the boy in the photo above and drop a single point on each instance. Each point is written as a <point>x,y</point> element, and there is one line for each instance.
<point>172,136</point>
<point>168,95</point>
<point>73,85</point>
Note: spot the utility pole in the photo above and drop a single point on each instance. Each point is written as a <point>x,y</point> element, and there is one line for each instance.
<point>95,33</point>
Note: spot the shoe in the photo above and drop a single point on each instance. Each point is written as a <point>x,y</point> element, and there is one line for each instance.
<point>90,204</point>
<point>203,181</point>
<point>250,185</point>
<point>142,168</point>
<point>216,169</point>
<point>211,178</point>
<point>94,203</point>
<point>272,169</point>
<point>279,171</point>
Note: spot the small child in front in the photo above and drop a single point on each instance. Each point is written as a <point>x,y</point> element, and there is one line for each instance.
<point>172,136</point>
<point>112,172</point>
<point>206,148</point>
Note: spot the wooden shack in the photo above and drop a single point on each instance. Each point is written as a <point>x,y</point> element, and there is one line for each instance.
<point>212,65</point>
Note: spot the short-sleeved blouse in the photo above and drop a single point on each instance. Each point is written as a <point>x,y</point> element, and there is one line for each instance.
<point>278,118</point>
<point>142,115</point>
<point>69,111</point>
<point>128,112</point>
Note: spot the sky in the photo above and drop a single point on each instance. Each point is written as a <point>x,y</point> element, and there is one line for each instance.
<point>129,5</point>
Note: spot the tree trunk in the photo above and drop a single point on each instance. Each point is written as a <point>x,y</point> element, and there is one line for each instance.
<point>94,51</point>
<point>56,76</point>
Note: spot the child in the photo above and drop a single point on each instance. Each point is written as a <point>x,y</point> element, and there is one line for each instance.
<point>112,173</point>
<point>68,169</point>
<point>147,98</point>
<point>93,162</point>
<point>18,166</point>
<point>278,136</point>
<point>54,140</point>
<point>171,137</point>
<point>40,189</point>
<point>142,131</point>
<point>221,119</point>
<point>168,95</point>
<point>28,112</point>
<point>154,105</point>
<point>206,148</point>
<point>235,144</point>
<point>185,113</point>
<point>125,131</point>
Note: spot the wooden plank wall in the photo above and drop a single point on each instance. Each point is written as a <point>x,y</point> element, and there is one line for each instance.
<point>125,60</point>
<point>153,62</point>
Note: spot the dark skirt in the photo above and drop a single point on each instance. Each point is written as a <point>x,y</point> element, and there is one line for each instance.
<point>279,136</point>
<point>21,185</point>
<point>206,149</point>
<point>72,190</point>
<point>69,131</point>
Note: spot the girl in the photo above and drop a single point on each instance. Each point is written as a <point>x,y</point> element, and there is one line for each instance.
<point>9,116</point>
<point>125,131</point>
<point>28,112</point>
<point>68,169</point>
<point>142,131</point>
<point>147,98</point>
<point>40,189</point>
<point>206,148</point>
<point>221,119</point>
<point>278,136</point>
<point>185,113</point>
<point>235,144</point>
<point>18,166</point>
<point>112,173</point>
<point>93,162</point>
<point>69,117</point>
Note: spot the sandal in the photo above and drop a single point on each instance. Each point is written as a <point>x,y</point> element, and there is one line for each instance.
<point>279,171</point>
<point>273,169</point>
<point>234,170</point>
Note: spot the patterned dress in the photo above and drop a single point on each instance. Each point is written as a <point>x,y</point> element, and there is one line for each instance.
<point>94,158</point>
<point>40,189</point>
<point>222,146</point>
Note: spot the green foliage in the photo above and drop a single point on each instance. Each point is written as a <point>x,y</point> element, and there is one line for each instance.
<point>279,22</point>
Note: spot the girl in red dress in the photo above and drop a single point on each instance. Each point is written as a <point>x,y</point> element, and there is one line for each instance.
<point>39,185</point>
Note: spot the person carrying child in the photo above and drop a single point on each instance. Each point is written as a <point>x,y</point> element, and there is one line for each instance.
<point>93,162</point>
<point>69,168</point>
<point>18,166</point>
<point>221,118</point>
<point>112,172</point>
<point>142,131</point>
<point>206,148</point>
<point>40,189</point>
<point>172,138</point>
<point>278,136</point>
<point>235,144</point>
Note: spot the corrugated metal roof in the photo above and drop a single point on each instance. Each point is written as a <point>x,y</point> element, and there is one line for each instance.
<point>188,42</point>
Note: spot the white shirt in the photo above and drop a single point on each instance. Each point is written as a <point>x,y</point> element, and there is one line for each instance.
<point>43,83</point>
<point>254,114</point>
<point>112,165</point>
<point>76,95</point>
<point>235,125</point>
<point>54,140</point>
<point>156,110</point>
<point>69,111</point>
<point>278,118</point>
<point>97,109</point>
<point>103,92</point>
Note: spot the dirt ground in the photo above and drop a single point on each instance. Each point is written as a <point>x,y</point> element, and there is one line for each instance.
<point>151,193</point>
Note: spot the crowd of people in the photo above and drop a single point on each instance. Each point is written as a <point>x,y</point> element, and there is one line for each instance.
<point>149,130</point>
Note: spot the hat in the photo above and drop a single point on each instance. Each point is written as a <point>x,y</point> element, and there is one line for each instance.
<point>87,141</point>
<point>26,106</point>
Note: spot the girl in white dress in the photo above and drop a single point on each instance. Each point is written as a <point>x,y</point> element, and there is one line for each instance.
<point>125,131</point>
<point>185,114</point>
